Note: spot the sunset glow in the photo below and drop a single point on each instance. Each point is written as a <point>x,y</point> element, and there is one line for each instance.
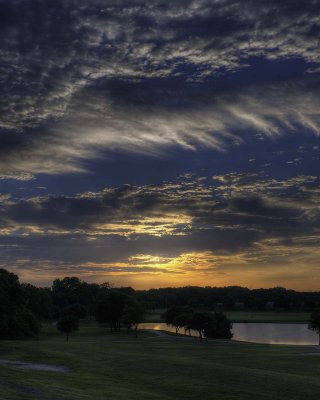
<point>153,144</point>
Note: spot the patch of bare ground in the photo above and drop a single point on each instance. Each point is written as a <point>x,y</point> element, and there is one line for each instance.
<point>35,366</point>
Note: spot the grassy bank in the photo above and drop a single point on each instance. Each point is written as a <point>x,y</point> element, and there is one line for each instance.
<point>248,316</point>
<point>118,366</point>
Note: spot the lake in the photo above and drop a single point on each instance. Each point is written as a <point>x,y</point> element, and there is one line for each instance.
<point>270,333</point>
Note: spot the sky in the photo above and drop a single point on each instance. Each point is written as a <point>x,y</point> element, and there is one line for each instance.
<point>161,143</point>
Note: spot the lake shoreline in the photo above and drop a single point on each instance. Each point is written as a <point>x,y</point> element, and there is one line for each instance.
<point>240,321</point>
<point>255,332</point>
<point>166,334</point>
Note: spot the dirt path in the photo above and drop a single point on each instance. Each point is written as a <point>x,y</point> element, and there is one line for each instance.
<point>35,366</point>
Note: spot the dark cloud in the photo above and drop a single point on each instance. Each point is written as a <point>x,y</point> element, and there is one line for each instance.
<point>257,206</point>
<point>169,219</point>
<point>143,77</point>
<point>96,94</point>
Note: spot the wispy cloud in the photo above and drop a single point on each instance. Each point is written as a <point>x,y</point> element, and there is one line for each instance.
<point>140,77</point>
<point>240,220</point>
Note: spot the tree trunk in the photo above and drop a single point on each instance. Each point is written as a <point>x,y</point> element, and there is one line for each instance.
<point>136,330</point>
<point>67,337</point>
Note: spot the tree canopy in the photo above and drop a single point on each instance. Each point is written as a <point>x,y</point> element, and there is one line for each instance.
<point>210,325</point>
<point>110,308</point>
<point>16,319</point>
<point>133,315</point>
<point>68,324</point>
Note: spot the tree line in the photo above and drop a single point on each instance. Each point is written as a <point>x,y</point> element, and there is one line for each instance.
<point>69,300</point>
<point>231,298</point>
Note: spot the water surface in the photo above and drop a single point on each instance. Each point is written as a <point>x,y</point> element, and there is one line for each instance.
<point>270,333</point>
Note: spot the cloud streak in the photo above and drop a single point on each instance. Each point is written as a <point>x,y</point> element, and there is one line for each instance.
<point>205,227</point>
<point>97,94</point>
<point>129,76</point>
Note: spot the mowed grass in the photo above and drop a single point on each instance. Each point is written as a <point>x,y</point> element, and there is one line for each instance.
<point>117,366</point>
<point>268,316</point>
<point>247,316</point>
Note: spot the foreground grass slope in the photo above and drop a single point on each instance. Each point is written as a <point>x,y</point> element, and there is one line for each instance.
<point>118,366</point>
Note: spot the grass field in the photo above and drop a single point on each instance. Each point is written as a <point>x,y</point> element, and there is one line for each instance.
<point>267,316</point>
<point>247,316</point>
<point>117,367</point>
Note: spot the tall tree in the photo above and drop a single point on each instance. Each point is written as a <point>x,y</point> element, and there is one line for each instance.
<point>199,321</point>
<point>133,315</point>
<point>183,321</point>
<point>68,324</point>
<point>110,308</point>
<point>172,316</point>
<point>38,300</point>
<point>219,327</point>
<point>16,319</point>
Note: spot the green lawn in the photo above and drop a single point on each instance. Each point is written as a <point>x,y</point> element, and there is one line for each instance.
<point>247,316</point>
<point>267,316</point>
<point>117,366</point>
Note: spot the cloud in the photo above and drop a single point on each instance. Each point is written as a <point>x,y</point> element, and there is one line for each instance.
<point>77,80</point>
<point>242,227</point>
<point>86,81</point>
<point>112,227</point>
<point>174,208</point>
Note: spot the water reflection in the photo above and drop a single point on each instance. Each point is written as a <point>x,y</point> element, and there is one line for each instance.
<point>164,327</point>
<point>270,333</point>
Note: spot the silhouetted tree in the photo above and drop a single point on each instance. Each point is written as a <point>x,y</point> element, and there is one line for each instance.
<point>314,322</point>
<point>182,321</point>
<point>199,321</point>
<point>218,327</point>
<point>110,307</point>
<point>71,290</point>
<point>16,320</point>
<point>133,315</point>
<point>77,310</point>
<point>38,300</point>
<point>172,316</point>
<point>222,298</point>
<point>68,324</point>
